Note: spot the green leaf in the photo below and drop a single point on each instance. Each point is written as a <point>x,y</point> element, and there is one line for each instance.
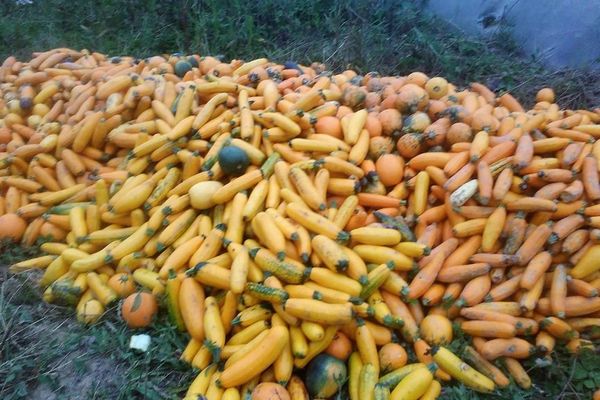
<point>589,384</point>
<point>137,302</point>
<point>580,374</point>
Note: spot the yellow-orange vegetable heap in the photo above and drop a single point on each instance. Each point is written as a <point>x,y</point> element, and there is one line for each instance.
<point>283,212</point>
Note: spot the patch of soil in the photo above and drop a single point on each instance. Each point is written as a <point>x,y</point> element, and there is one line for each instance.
<point>47,350</point>
<point>77,380</point>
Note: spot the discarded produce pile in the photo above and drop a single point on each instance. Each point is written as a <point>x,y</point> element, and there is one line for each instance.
<point>305,227</point>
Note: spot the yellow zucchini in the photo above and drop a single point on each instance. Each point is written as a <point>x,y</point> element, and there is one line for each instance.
<point>382,255</point>
<point>257,360</point>
<point>336,281</point>
<point>319,312</point>
<point>376,236</point>
<point>315,222</point>
<point>287,270</point>
<point>248,333</point>
<point>268,233</point>
<point>462,371</point>
<point>367,381</point>
<point>191,303</point>
<point>355,365</point>
<point>213,328</point>
<point>100,290</point>
<point>331,253</point>
<point>414,385</point>
<point>367,347</point>
<point>172,289</point>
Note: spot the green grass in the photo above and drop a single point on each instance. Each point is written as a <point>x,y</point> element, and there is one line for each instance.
<point>388,36</point>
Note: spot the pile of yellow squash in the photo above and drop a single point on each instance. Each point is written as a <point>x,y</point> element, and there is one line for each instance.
<point>280,212</point>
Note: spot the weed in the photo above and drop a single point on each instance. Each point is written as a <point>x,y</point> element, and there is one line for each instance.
<point>11,253</point>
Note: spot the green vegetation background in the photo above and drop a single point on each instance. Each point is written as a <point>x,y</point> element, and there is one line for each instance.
<point>388,36</point>
<point>44,353</point>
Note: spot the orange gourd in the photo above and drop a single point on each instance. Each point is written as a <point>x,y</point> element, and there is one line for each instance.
<point>12,227</point>
<point>390,169</point>
<point>329,125</point>
<point>340,347</point>
<point>139,309</point>
<point>436,329</point>
<point>122,283</point>
<point>391,121</point>
<point>270,391</point>
<point>391,357</point>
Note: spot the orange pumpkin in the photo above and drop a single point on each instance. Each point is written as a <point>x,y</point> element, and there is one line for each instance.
<point>388,91</point>
<point>373,125</point>
<point>340,347</point>
<point>392,356</point>
<point>207,63</point>
<point>353,97</point>
<point>349,73</point>
<point>372,100</point>
<point>436,87</point>
<point>458,133</point>
<point>340,80</point>
<point>398,82</point>
<point>139,309</point>
<point>50,230</point>
<point>411,98</point>
<point>436,329</point>
<point>270,391</point>
<point>329,125</point>
<point>388,102</point>
<point>122,283</point>
<point>417,78</point>
<point>545,94</point>
<point>165,68</point>
<point>435,108</point>
<point>374,84</point>
<point>155,61</point>
<point>12,227</point>
<point>390,169</point>
<point>483,120</point>
<point>409,145</point>
<point>391,121</point>
<point>379,145</point>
